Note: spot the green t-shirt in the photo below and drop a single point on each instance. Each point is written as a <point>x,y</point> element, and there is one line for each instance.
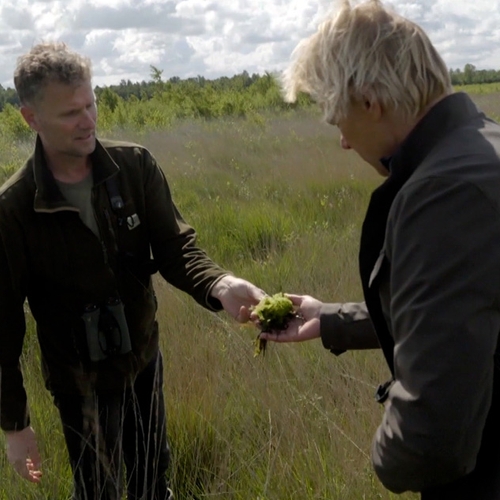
<point>80,196</point>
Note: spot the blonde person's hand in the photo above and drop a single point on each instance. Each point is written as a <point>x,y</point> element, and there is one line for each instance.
<point>237,296</point>
<point>22,454</point>
<point>305,326</point>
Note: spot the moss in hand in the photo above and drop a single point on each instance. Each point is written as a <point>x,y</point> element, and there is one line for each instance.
<point>274,313</point>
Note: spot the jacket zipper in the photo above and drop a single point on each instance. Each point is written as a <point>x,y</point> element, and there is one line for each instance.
<point>101,233</point>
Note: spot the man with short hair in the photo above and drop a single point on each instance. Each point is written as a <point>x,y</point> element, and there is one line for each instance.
<point>429,253</point>
<point>78,225</point>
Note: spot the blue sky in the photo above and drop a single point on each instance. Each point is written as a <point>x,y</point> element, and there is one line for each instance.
<point>213,38</point>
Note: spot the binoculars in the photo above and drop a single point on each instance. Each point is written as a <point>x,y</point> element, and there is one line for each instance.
<point>106,330</point>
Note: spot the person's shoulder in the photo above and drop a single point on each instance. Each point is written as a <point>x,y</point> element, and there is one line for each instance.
<point>128,155</point>
<point>470,154</point>
<point>476,140</point>
<point>16,187</point>
<point>123,147</point>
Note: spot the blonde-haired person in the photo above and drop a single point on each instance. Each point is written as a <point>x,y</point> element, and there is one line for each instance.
<point>429,252</point>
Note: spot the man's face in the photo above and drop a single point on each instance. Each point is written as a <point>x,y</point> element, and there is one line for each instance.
<point>64,116</point>
<point>363,130</point>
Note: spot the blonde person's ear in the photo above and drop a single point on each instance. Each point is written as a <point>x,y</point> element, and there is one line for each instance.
<point>373,107</point>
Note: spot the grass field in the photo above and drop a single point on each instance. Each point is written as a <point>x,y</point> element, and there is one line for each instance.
<point>278,202</point>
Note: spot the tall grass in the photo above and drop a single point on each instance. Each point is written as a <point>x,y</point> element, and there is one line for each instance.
<point>479,88</point>
<point>281,205</point>
<point>278,202</point>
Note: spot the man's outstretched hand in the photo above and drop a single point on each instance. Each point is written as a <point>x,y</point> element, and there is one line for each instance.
<point>22,453</point>
<point>237,296</point>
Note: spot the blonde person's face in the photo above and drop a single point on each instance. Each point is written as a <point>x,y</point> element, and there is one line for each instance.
<point>65,119</point>
<point>362,131</point>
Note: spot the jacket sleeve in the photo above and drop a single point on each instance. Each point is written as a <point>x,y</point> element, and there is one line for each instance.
<point>173,241</point>
<point>443,244</point>
<point>345,327</point>
<point>13,402</point>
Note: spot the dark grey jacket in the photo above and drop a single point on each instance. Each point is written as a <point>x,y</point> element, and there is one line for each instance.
<point>430,267</point>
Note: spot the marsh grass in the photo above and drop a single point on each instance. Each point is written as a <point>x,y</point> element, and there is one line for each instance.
<point>275,200</point>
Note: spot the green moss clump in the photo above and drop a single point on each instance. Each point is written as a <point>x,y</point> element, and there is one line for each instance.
<point>274,313</point>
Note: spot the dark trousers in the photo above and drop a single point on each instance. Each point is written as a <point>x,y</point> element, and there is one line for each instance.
<point>104,430</point>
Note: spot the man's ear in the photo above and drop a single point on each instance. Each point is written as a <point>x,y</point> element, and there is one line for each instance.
<point>29,115</point>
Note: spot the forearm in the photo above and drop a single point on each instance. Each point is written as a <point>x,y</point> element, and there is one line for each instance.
<point>189,269</point>
<point>13,407</point>
<point>215,291</point>
<point>174,242</point>
<point>347,327</point>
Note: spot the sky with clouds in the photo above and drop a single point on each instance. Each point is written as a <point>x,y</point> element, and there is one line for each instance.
<point>216,38</point>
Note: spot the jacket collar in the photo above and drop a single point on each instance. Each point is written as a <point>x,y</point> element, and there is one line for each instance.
<point>447,115</point>
<point>48,197</point>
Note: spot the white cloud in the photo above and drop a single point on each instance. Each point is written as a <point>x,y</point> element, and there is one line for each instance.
<point>219,37</point>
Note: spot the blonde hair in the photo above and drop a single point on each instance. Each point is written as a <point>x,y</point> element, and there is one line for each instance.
<point>46,62</point>
<point>367,51</point>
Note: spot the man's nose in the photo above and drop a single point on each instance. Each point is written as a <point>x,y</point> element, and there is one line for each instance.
<point>343,143</point>
<point>88,119</point>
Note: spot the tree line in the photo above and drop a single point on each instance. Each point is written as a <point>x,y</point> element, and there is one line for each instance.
<point>194,88</point>
<point>156,104</point>
<point>470,75</point>
<point>252,85</point>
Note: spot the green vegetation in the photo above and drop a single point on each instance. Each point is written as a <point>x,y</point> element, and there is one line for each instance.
<point>274,312</point>
<point>161,101</point>
<point>157,103</point>
<point>479,88</point>
<point>277,201</point>
<point>470,75</point>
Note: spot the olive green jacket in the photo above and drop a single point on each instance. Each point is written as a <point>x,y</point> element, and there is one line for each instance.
<point>49,256</point>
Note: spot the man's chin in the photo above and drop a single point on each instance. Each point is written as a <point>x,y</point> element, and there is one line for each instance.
<point>80,153</point>
<point>92,145</point>
<point>86,147</point>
